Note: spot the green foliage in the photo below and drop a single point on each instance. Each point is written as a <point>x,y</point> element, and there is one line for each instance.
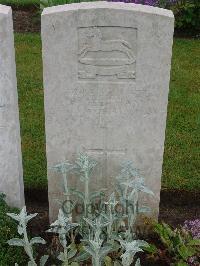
<point>187,14</point>
<point>62,226</point>
<point>49,3</point>
<point>129,186</point>
<point>178,243</point>
<point>111,216</point>
<point>94,243</point>
<point>102,231</point>
<point>23,218</point>
<point>83,167</point>
<point>8,254</point>
<point>20,3</point>
<point>131,248</point>
<point>64,168</point>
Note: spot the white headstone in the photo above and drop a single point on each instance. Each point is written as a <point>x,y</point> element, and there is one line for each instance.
<point>106,79</point>
<point>11,174</point>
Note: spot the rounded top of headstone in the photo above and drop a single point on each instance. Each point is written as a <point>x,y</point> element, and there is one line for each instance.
<point>108,5</point>
<point>4,9</point>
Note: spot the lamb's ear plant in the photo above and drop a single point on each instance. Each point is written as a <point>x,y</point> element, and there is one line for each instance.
<point>107,234</point>
<point>65,169</point>
<point>84,166</point>
<point>96,245</point>
<point>23,218</point>
<point>115,219</point>
<point>63,227</point>
<point>130,250</point>
<point>129,185</point>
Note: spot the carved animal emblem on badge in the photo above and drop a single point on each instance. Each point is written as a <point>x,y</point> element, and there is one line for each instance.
<point>102,54</point>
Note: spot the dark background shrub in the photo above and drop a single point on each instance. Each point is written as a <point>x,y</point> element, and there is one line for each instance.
<point>187,14</point>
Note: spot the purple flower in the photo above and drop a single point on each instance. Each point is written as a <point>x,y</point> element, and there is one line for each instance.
<point>159,3</point>
<point>144,2</point>
<point>193,227</point>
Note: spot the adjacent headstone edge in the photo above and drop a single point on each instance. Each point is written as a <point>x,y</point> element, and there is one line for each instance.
<point>5,9</point>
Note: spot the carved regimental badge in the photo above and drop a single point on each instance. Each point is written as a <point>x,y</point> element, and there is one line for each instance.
<point>107,53</point>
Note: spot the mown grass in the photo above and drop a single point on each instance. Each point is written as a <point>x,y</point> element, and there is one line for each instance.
<point>29,75</point>
<point>181,167</point>
<point>182,156</point>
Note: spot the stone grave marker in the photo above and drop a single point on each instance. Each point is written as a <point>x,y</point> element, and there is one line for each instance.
<point>11,174</point>
<point>106,79</point>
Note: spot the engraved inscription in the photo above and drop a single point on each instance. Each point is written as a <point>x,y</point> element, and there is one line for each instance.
<point>104,106</point>
<point>107,52</point>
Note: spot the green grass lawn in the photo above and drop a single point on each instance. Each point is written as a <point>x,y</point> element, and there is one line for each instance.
<point>182,156</point>
<point>29,75</point>
<point>181,167</point>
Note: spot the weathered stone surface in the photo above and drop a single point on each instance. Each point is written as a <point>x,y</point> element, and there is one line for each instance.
<point>11,174</point>
<point>106,79</point>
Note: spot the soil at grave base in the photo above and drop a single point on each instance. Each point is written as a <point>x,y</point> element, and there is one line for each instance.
<point>175,208</point>
<point>26,19</point>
